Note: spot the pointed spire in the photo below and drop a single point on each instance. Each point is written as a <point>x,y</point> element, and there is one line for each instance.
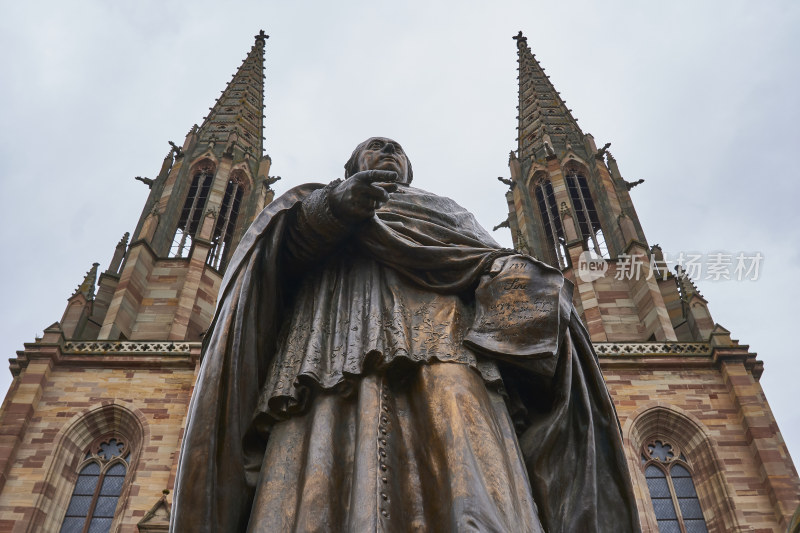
<point>545,124</point>
<point>124,239</point>
<point>119,253</point>
<point>87,287</point>
<point>237,118</point>
<point>686,286</point>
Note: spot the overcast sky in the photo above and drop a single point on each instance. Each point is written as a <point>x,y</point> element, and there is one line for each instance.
<point>698,98</point>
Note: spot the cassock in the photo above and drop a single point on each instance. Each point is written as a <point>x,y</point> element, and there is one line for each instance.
<point>379,377</point>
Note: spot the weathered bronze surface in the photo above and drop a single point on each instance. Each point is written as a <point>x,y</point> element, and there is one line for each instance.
<point>378,363</point>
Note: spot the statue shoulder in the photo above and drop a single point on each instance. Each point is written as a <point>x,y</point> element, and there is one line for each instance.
<point>293,195</point>
<point>262,222</point>
<point>427,197</point>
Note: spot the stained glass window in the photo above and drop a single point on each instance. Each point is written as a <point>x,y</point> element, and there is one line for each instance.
<point>101,477</point>
<point>672,491</point>
<point>661,451</point>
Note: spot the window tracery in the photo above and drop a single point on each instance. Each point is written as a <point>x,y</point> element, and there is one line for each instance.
<point>672,491</point>
<point>226,221</point>
<point>554,231</point>
<point>588,222</point>
<point>189,221</point>
<point>101,476</point>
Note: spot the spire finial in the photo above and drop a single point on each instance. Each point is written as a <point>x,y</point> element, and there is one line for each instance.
<point>237,118</point>
<point>686,286</point>
<point>545,123</point>
<point>119,254</point>
<point>87,287</point>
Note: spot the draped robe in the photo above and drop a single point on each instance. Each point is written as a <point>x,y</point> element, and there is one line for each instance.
<point>337,391</point>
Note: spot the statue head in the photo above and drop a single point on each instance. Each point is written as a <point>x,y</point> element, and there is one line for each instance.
<point>380,153</point>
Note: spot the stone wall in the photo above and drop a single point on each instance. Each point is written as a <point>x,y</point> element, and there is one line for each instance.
<point>703,399</point>
<point>82,392</point>
<point>691,401</point>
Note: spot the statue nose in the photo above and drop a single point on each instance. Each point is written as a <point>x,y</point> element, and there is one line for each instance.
<point>388,148</point>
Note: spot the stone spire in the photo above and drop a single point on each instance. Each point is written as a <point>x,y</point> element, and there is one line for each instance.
<point>202,201</point>
<point>686,286</point>
<point>694,307</point>
<point>87,287</point>
<point>119,253</point>
<point>545,124</point>
<point>237,118</point>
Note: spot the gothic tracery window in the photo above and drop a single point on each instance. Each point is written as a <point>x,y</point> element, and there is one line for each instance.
<point>588,222</point>
<point>192,211</point>
<point>226,221</point>
<point>101,476</point>
<point>672,491</point>
<point>554,231</point>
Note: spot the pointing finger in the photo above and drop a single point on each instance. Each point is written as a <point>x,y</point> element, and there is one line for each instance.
<point>373,176</point>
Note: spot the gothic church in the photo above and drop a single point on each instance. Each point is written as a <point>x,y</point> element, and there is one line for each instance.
<point>92,423</point>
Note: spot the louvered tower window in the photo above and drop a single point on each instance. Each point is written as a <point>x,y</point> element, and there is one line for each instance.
<point>101,476</point>
<point>588,223</point>
<point>192,212</point>
<point>226,222</point>
<point>551,220</point>
<point>672,491</point>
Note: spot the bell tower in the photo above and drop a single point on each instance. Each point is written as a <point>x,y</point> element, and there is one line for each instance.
<point>703,447</point>
<point>202,200</point>
<point>94,417</point>
<point>570,207</point>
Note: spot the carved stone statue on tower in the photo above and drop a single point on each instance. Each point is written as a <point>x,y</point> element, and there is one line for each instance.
<point>377,362</point>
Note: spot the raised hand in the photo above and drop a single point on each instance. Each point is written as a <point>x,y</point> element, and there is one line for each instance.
<point>357,197</point>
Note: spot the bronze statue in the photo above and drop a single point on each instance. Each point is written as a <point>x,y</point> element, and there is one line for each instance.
<point>378,362</point>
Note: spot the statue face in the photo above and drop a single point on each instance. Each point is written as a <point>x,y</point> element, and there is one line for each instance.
<point>381,153</point>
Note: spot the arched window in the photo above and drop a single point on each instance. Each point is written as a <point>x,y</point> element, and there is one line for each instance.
<point>101,475</point>
<point>226,221</point>
<point>551,220</point>
<point>588,223</point>
<point>192,211</point>
<point>672,490</point>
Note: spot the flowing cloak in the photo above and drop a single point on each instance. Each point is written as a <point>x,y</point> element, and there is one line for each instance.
<point>566,423</point>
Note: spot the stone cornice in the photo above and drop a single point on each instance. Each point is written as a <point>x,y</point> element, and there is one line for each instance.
<point>130,347</point>
<point>612,349</point>
<point>155,354</point>
<point>675,355</point>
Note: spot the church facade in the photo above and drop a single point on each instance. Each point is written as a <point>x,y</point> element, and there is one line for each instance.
<point>92,424</point>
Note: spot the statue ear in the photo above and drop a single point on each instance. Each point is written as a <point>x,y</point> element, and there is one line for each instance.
<point>351,167</point>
